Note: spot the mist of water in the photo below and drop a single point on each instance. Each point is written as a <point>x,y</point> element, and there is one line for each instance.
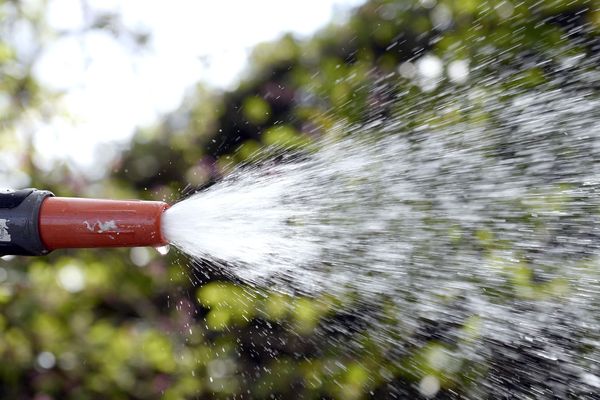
<point>488,214</point>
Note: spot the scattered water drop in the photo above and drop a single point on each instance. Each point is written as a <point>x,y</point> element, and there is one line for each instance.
<point>163,250</point>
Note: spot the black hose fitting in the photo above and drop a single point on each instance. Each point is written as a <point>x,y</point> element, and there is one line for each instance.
<point>19,222</point>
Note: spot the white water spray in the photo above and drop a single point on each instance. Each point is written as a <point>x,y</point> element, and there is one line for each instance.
<point>489,219</point>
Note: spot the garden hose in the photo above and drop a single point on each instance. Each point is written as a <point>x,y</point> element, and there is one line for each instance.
<point>34,222</point>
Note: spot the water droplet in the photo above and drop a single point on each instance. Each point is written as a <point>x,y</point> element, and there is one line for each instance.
<point>163,250</point>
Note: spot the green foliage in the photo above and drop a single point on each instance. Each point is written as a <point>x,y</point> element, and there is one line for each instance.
<point>256,110</point>
<point>87,325</point>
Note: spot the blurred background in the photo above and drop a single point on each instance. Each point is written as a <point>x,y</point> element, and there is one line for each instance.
<point>154,100</point>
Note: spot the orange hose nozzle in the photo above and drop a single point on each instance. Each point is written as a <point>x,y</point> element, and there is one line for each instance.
<point>81,223</point>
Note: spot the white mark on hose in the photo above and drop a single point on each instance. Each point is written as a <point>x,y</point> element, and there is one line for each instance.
<point>4,234</point>
<point>101,227</point>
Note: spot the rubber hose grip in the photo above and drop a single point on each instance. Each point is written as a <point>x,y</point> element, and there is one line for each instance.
<point>19,226</point>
